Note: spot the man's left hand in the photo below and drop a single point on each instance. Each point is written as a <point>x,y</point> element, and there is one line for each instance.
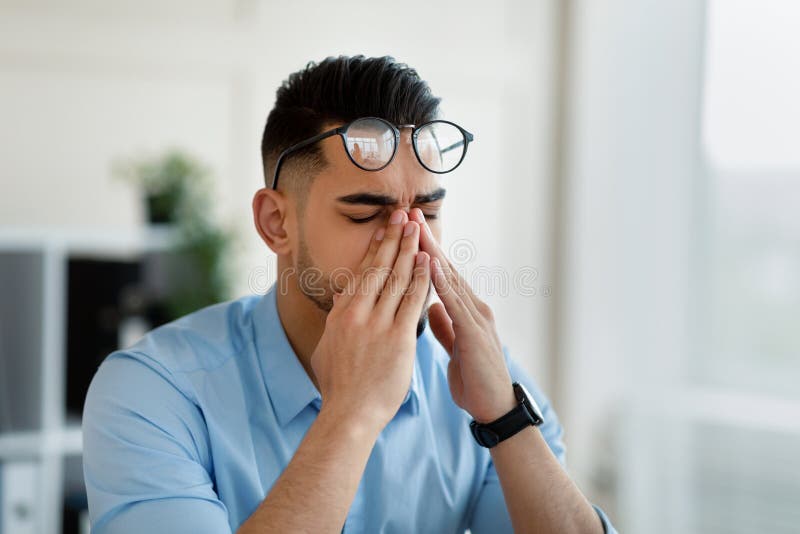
<point>464,325</point>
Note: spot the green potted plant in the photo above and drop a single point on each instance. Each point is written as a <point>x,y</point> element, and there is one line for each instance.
<point>176,190</point>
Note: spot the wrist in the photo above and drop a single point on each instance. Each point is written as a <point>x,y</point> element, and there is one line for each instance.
<point>497,410</point>
<point>526,413</point>
<point>496,405</point>
<point>354,422</point>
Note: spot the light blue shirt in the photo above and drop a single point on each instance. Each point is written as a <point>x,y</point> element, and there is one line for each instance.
<point>187,431</point>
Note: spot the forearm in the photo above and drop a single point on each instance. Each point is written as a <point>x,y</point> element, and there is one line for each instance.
<point>537,491</point>
<point>316,489</point>
<point>539,494</point>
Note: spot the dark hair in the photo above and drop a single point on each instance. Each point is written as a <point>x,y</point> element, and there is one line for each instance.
<point>340,89</point>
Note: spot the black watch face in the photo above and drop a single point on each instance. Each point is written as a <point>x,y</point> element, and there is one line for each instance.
<point>530,404</point>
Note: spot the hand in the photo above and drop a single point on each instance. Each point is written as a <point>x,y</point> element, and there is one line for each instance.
<point>365,357</point>
<point>464,325</point>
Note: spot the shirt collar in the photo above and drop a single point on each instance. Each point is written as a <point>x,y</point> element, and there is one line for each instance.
<point>287,383</point>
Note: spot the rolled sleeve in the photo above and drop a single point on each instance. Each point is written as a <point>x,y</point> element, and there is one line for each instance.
<point>490,514</point>
<point>146,459</point>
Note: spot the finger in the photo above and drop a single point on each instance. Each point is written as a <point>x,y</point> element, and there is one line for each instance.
<point>442,326</point>
<point>374,276</point>
<point>348,281</point>
<point>458,307</point>
<point>428,243</point>
<point>374,244</point>
<point>402,271</point>
<point>410,308</point>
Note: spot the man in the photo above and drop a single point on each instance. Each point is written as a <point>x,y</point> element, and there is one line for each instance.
<point>339,401</point>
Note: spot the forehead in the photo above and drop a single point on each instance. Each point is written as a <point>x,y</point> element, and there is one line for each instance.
<point>402,179</point>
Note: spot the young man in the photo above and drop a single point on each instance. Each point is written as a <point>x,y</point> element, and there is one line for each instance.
<point>339,401</point>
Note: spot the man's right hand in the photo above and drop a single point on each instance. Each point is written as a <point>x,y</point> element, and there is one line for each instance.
<point>365,357</point>
<point>363,364</point>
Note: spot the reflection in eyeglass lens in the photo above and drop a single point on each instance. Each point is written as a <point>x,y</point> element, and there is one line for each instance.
<point>370,152</point>
<point>439,145</point>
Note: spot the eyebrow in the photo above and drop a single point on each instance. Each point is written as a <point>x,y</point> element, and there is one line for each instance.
<point>375,199</point>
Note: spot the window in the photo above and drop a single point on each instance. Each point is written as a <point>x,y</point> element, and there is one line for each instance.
<point>750,326</point>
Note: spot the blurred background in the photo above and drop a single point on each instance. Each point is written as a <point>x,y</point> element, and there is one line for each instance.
<point>629,209</point>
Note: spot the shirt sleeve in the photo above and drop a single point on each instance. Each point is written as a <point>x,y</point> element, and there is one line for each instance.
<point>490,515</point>
<point>146,458</point>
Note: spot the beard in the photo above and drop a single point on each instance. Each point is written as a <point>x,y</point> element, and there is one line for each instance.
<point>318,286</point>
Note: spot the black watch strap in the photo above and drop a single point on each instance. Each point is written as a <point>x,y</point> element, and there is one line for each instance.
<point>525,414</point>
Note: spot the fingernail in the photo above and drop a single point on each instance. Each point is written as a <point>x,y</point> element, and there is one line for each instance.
<point>409,229</point>
<point>420,258</point>
<point>396,217</point>
<point>379,234</point>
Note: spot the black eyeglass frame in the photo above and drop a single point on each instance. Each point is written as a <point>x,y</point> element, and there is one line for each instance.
<point>341,131</point>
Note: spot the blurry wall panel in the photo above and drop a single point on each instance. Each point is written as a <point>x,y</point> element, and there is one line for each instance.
<point>62,131</point>
<point>632,166</point>
<point>21,275</point>
<point>84,84</point>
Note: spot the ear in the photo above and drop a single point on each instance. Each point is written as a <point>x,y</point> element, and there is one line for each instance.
<point>270,209</point>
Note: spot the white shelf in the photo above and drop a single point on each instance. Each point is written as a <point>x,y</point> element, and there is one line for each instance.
<point>34,264</point>
<point>20,445</point>
<point>66,441</point>
<point>89,241</point>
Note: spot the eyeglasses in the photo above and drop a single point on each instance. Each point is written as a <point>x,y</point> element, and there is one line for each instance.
<point>371,144</point>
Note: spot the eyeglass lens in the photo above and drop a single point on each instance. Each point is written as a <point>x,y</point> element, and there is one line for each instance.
<point>371,144</point>
<point>440,146</point>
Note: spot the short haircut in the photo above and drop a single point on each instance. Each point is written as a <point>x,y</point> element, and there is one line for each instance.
<point>338,90</point>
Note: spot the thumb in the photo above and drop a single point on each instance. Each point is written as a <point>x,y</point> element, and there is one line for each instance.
<point>442,326</point>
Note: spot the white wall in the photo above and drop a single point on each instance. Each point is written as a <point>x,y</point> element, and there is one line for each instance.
<point>85,83</point>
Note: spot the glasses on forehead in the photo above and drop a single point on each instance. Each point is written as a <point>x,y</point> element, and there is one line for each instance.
<point>371,144</point>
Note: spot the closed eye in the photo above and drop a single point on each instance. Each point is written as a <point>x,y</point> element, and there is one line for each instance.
<point>363,220</point>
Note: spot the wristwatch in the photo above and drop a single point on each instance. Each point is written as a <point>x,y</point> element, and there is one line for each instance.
<point>525,414</point>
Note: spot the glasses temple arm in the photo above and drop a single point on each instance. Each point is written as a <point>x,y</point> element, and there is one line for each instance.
<point>299,146</point>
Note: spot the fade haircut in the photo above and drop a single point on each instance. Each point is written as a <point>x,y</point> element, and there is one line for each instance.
<point>338,90</point>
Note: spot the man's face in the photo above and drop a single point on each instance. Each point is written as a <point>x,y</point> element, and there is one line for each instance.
<point>332,243</point>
